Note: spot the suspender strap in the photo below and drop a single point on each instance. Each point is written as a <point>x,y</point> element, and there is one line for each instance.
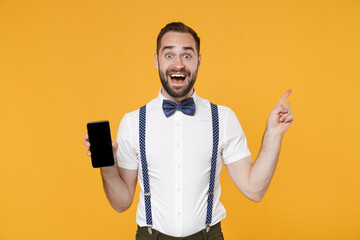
<point>142,128</point>
<point>215,127</point>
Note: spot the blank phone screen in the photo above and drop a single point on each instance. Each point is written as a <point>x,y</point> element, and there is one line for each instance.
<point>100,144</point>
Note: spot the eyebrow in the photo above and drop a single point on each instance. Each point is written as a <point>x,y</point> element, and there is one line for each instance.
<point>184,48</point>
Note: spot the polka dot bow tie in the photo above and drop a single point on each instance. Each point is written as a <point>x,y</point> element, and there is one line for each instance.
<point>187,107</point>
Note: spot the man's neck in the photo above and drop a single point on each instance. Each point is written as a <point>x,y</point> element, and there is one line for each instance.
<point>176,100</point>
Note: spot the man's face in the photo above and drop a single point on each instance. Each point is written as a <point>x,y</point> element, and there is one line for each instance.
<point>178,62</point>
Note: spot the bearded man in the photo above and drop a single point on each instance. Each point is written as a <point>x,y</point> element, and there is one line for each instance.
<point>174,146</point>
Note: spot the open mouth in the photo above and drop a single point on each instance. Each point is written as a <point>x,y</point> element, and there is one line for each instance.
<point>178,77</point>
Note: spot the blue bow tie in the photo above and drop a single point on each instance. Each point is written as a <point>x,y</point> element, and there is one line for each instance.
<point>187,107</point>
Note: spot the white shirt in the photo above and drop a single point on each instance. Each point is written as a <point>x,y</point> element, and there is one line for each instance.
<point>178,151</point>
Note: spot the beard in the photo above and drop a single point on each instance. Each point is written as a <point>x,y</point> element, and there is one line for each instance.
<point>180,91</point>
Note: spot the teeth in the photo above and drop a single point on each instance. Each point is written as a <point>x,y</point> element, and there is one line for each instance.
<point>177,75</point>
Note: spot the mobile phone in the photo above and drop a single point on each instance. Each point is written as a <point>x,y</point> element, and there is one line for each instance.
<point>100,144</point>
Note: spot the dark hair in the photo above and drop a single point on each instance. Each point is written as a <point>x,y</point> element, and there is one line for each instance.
<point>177,27</point>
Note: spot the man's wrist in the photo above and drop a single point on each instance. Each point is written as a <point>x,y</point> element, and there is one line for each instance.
<point>273,134</point>
<point>271,139</point>
<point>110,171</point>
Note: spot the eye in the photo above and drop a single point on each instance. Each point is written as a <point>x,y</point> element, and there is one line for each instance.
<point>187,56</point>
<point>168,55</point>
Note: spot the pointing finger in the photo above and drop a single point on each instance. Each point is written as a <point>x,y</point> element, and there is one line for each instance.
<point>284,97</point>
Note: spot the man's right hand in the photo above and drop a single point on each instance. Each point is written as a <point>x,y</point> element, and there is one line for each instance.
<point>119,183</point>
<point>88,152</point>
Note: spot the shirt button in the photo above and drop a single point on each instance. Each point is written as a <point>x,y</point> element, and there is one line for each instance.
<point>179,189</point>
<point>179,166</point>
<point>178,124</point>
<point>178,213</point>
<point>178,145</point>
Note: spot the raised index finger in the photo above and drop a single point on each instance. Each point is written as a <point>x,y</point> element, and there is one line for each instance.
<point>284,97</point>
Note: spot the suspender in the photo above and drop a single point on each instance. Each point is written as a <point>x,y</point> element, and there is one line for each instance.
<point>142,130</point>
<point>147,198</point>
<point>215,127</point>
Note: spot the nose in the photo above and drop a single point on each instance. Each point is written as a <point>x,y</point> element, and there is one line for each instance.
<point>178,62</point>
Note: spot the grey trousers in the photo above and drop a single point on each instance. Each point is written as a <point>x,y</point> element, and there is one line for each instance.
<point>214,233</point>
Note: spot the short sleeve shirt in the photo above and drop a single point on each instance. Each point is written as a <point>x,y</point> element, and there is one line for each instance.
<point>178,151</point>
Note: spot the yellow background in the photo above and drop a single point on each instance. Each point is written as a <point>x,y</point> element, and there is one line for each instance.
<point>64,63</point>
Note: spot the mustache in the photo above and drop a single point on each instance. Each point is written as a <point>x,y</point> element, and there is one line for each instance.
<point>177,70</point>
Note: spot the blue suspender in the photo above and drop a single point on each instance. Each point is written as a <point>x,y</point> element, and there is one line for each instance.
<point>142,126</point>
<point>215,127</point>
<point>142,130</point>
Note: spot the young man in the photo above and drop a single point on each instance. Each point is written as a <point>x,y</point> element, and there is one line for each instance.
<point>175,146</point>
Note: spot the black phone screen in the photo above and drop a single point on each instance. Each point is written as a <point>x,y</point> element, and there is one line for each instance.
<point>100,144</point>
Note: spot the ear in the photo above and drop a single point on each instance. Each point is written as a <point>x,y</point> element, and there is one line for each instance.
<point>199,61</point>
<point>156,61</point>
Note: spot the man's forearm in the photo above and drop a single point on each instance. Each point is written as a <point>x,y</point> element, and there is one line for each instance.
<point>253,179</point>
<point>115,189</point>
<point>264,167</point>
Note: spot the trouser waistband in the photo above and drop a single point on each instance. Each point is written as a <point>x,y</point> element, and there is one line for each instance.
<point>143,231</point>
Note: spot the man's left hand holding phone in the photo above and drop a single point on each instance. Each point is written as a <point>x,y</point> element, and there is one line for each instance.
<point>119,183</point>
